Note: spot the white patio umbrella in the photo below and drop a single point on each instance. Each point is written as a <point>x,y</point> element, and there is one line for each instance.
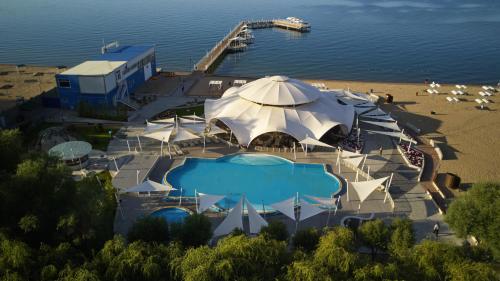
<point>161,135</point>
<point>148,186</point>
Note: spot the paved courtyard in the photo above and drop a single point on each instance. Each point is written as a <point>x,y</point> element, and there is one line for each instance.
<point>409,196</point>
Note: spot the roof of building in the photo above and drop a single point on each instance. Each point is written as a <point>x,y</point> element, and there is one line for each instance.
<point>94,68</point>
<point>262,107</point>
<point>125,53</point>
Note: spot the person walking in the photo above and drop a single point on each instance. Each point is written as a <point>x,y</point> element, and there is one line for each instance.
<point>435,230</point>
<point>380,150</point>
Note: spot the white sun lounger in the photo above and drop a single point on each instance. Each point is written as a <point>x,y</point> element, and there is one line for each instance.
<point>482,94</point>
<point>454,92</point>
<point>449,99</point>
<point>455,99</point>
<point>429,91</point>
<point>435,91</point>
<point>485,100</point>
<point>460,93</point>
<point>478,101</point>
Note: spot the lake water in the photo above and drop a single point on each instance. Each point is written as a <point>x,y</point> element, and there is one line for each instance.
<point>386,40</point>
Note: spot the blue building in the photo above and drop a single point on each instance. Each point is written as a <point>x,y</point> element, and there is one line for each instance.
<point>108,79</point>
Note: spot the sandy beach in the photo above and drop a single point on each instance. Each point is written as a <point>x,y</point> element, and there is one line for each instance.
<point>469,136</point>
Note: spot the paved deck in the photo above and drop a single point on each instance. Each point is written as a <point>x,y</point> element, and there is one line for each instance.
<point>409,196</point>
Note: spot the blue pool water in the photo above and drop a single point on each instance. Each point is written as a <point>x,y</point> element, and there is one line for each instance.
<point>264,179</point>
<point>172,215</point>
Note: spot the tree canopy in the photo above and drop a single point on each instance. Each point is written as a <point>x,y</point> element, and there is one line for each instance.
<point>477,213</point>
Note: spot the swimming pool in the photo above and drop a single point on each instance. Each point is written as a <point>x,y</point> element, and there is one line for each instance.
<point>264,179</point>
<point>172,215</point>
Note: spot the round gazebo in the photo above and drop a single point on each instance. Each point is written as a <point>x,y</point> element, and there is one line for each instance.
<point>73,153</point>
<point>278,110</point>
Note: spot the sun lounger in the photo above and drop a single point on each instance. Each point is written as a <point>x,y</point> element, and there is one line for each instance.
<point>478,101</point>
<point>482,94</point>
<point>488,94</point>
<point>455,99</point>
<point>429,91</point>
<point>485,100</point>
<point>449,99</point>
<point>460,93</point>
<point>435,91</point>
<point>454,92</point>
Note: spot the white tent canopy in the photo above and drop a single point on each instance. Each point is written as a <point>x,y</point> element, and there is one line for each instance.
<point>162,135</point>
<point>151,127</point>
<point>256,222</point>
<point>393,134</point>
<point>207,200</point>
<point>149,186</point>
<point>286,207</point>
<point>190,121</point>
<point>354,161</point>
<point>182,134</point>
<point>325,201</point>
<point>365,188</point>
<point>308,210</point>
<point>167,120</point>
<point>233,220</point>
<point>216,130</point>
<point>194,116</point>
<point>279,90</point>
<point>250,111</point>
<point>311,141</point>
<point>361,110</point>
<point>348,154</point>
<point>388,125</point>
<point>197,128</point>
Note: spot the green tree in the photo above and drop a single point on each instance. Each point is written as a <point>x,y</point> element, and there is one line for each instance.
<point>149,229</point>
<point>378,271</point>
<point>431,259</point>
<point>306,239</point>
<point>10,149</point>
<point>15,258</point>
<point>275,230</point>
<point>375,235</point>
<point>136,261</point>
<point>402,238</point>
<point>471,271</point>
<point>477,213</point>
<point>195,231</point>
<point>235,258</point>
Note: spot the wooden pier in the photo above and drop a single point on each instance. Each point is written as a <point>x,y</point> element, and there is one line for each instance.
<point>217,52</point>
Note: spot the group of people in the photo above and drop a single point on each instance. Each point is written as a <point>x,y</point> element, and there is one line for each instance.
<point>416,157</point>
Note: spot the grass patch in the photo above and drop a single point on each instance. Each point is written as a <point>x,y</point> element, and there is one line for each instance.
<point>98,136</point>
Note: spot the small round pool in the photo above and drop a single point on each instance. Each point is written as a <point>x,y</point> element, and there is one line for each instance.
<point>172,215</point>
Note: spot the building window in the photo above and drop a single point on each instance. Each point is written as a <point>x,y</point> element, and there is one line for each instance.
<point>64,83</point>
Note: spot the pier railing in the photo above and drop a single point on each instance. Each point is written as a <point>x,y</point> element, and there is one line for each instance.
<point>220,47</point>
<point>211,56</point>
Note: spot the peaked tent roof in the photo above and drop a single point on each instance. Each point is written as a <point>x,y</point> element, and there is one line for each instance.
<point>182,134</point>
<point>365,188</point>
<point>286,207</point>
<point>194,116</point>
<point>361,110</point>
<point>207,200</point>
<point>327,201</point>
<point>255,220</point>
<point>307,210</point>
<point>167,120</point>
<point>233,220</point>
<point>388,125</point>
<point>151,127</point>
<point>190,121</point>
<point>311,141</point>
<point>392,134</point>
<point>162,135</point>
<point>197,128</point>
<point>354,161</point>
<point>148,186</point>
<point>278,90</point>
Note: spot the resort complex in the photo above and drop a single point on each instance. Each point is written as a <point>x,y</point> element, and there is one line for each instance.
<point>119,169</point>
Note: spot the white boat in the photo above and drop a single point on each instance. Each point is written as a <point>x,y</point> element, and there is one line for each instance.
<point>237,44</point>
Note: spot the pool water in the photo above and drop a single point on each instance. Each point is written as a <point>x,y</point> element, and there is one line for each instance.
<point>172,215</point>
<point>264,179</point>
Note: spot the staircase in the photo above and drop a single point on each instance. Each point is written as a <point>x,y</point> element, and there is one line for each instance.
<point>122,96</point>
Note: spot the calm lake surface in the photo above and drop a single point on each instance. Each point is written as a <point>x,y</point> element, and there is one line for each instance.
<point>378,40</point>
